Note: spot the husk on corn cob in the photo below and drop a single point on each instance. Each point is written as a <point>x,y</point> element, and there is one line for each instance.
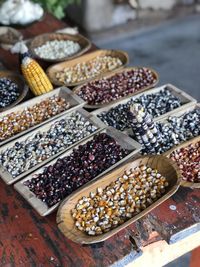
<point>33,73</point>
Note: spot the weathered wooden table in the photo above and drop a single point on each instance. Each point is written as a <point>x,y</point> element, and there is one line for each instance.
<point>26,239</point>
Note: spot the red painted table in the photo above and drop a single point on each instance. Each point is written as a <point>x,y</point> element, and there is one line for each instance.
<point>26,239</point>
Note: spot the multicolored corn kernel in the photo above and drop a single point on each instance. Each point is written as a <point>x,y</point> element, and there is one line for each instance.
<point>121,200</point>
<point>88,70</point>
<point>119,85</point>
<point>188,160</point>
<point>16,122</point>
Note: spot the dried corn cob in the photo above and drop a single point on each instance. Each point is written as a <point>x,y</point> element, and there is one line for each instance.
<point>32,72</point>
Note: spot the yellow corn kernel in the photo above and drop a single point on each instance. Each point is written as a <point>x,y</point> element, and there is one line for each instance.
<point>36,78</point>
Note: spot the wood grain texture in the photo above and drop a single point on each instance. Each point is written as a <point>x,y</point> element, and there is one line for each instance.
<point>52,70</point>
<point>26,239</point>
<point>77,89</point>
<point>66,223</point>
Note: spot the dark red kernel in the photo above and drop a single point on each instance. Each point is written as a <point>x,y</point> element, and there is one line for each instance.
<point>86,162</point>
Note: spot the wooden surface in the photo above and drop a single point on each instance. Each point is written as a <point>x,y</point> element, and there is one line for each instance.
<point>26,239</point>
<point>67,224</point>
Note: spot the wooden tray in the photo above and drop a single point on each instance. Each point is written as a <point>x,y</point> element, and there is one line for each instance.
<point>84,43</point>
<point>53,70</point>
<point>178,114</point>
<point>7,177</point>
<point>125,142</point>
<point>63,92</point>
<point>186,100</point>
<point>17,79</point>
<point>105,76</point>
<point>66,223</point>
<point>185,144</point>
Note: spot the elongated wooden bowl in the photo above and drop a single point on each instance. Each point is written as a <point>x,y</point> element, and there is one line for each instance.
<point>22,87</point>
<point>84,43</point>
<point>66,223</point>
<point>77,89</point>
<point>185,144</point>
<point>53,70</point>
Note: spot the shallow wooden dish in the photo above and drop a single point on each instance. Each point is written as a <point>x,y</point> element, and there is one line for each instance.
<point>78,88</point>
<point>23,88</point>
<point>123,140</point>
<point>63,92</point>
<point>84,43</point>
<point>52,70</point>
<point>186,100</point>
<point>66,223</point>
<point>185,144</point>
<point>7,177</point>
<point>17,36</point>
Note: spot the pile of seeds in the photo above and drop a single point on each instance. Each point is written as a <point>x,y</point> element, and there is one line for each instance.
<point>9,92</point>
<point>117,86</point>
<point>82,165</point>
<point>157,138</point>
<point>35,149</point>
<point>87,70</point>
<point>57,49</point>
<point>179,129</point>
<point>188,160</point>
<point>17,122</point>
<point>156,104</point>
<point>122,199</point>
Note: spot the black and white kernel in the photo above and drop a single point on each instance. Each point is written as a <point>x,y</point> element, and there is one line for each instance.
<point>35,149</point>
<point>177,130</point>
<point>156,104</point>
<point>9,92</point>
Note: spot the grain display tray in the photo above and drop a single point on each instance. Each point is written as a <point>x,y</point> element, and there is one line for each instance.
<point>186,100</point>
<point>7,177</point>
<point>183,145</point>
<point>66,223</point>
<point>178,114</point>
<point>39,40</point>
<point>125,142</point>
<point>63,92</point>
<point>78,88</point>
<point>52,70</point>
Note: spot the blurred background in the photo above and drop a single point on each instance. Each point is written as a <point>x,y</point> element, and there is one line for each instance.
<point>164,35</point>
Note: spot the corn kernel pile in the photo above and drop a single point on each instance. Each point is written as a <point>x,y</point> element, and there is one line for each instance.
<point>122,199</point>
<point>87,70</point>
<point>16,122</point>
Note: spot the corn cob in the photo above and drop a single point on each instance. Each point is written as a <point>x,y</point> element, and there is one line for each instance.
<point>33,73</point>
<point>35,77</point>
